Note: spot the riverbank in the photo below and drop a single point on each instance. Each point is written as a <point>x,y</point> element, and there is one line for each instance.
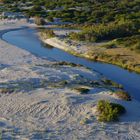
<point>120,56</point>
<point>45,104</point>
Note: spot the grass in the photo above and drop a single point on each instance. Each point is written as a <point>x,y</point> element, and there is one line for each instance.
<point>109,112</point>
<point>132,42</point>
<point>120,60</point>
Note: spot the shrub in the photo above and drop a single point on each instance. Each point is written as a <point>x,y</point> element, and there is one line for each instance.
<point>123,95</point>
<point>111,83</point>
<point>109,111</point>
<point>68,64</point>
<point>46,33</point>
<point>39,21</point>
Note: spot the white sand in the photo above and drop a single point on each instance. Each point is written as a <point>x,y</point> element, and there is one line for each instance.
<point>55,113</point>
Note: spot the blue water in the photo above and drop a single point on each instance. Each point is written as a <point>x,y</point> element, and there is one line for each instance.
<point>28,40</point>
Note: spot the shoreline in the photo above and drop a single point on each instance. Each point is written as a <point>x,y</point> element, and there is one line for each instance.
<point>2,32</point>
<point>60,44</point>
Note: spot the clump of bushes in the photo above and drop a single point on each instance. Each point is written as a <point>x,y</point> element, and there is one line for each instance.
<point>123,95</point>
<point>100,32</point>
<point>46,33</point>
<point>108,112</point>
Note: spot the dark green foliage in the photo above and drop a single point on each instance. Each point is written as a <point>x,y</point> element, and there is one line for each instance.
<point>100,20</point>
<point>108,31</point>
<point>109,111</point>
<point>81,11</point>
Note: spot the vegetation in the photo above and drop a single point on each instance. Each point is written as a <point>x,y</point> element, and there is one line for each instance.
<point>81,11</point>
<point>115,22</point>
<point>109,111</point>
<point>47,33</point>
<point>68,64</point>
<point>100,32</point>
<point>82,90</point>
<point>123,95</point>
<point>111,83</point>
<point>132,42</point>
<point>39,21</point>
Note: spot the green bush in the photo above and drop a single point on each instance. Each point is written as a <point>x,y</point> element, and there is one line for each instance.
<point>109,111</point>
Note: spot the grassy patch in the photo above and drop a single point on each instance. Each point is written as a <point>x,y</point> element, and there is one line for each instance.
<point>109,112</point>
<point>132,42</point>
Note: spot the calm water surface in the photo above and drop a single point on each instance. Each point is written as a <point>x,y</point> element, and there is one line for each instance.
<point>28,40</point>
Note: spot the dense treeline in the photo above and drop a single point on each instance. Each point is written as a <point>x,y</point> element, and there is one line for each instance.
<point>81,11</point>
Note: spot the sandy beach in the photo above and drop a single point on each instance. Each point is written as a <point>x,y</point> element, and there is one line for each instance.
<point>119,56</point>
<point>42,106</point>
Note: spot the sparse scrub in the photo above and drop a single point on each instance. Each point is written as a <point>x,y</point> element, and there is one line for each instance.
<point>111,83</point>
<point>39,21</point>
<point>132,42</point>
<point>123,95</point>
<point>46,33</point>
<point>68,64</point>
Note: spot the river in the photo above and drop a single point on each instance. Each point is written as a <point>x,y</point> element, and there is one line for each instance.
<point>27,39</point>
